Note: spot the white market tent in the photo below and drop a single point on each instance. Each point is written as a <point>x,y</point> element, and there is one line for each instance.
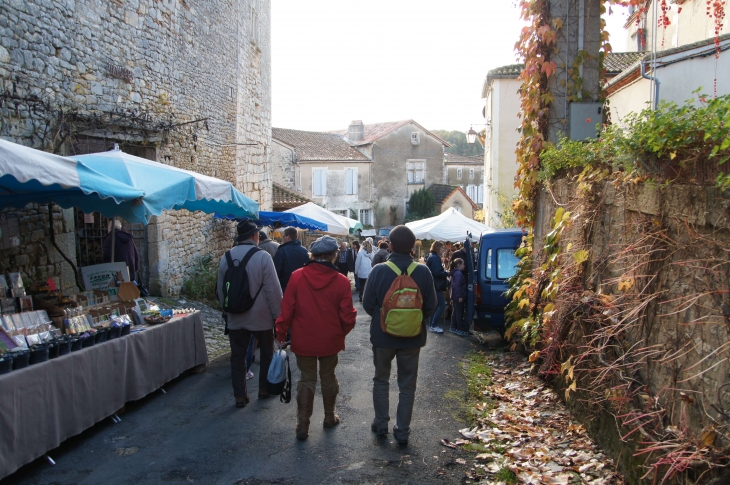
<point>449,226</point>
<point>336,224</point>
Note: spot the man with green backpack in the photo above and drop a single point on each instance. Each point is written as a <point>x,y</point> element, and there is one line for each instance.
<point>399,296</point>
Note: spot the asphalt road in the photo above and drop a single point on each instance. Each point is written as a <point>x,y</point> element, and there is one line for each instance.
<point>194,434</point>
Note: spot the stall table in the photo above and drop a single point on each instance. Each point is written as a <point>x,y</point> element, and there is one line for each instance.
<point>44,404</point>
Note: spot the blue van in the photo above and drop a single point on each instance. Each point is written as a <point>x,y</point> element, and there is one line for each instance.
<point>495,264</point>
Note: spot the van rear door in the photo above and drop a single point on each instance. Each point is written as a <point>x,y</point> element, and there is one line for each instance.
<point>497,263</point>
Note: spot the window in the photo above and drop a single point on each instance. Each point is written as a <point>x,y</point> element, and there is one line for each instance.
<point>365,217</point>
<point>480,195</point>
<point>506,263</point>
<point>471,173</point>
<point>415,172</point>
<point>351,181</point>
<point>458,173</point>
<point>471,191</point>
<point>489,263</point>
<point>319,182</point>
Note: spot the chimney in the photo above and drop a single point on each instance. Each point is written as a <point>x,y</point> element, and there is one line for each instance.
<point>356,131</point>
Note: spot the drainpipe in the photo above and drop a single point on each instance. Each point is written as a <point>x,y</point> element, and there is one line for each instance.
<point>656,83</point>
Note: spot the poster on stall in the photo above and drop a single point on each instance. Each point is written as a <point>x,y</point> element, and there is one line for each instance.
<point>105,277</point>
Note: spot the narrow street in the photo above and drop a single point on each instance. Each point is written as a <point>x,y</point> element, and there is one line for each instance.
<point>194,434</point>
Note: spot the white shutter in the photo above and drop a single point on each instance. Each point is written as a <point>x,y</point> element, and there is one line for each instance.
<point>354,180</point>
<point>480,195</point>
<point>316,183</point>
<point>351,181</point>
<point>323,181</point>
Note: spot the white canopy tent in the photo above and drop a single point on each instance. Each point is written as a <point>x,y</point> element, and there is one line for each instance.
<point>336,224</point>
<point>449,226</point>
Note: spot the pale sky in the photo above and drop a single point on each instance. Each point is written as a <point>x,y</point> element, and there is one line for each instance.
<point>334,61</point>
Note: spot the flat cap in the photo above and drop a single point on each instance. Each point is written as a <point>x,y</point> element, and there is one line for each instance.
<point>324,245</point>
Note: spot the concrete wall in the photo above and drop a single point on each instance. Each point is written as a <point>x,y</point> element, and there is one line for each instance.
<point>391,154</point>
<point>452,171</point>
<point>459,202</point>
<point>677,81</point>
<point>690,25</point>
<point>500,161</point>
<point>335,198</point>
<point>132,71</point>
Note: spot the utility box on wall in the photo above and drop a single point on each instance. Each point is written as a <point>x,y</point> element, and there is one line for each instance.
<point>584,120</point>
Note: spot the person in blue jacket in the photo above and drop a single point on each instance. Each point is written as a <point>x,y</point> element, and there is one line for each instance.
<point>440,281</point>
<point>289,257</point>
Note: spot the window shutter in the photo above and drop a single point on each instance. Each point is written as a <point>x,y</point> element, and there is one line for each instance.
<point>316,183</point>
<point>348,181</point>
<point>323,182</point>
<point>480,195</point>
<point>354,180</point>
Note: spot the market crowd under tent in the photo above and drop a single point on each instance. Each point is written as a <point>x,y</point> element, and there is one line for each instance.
<point>336,224</point>
<point>449,226</point>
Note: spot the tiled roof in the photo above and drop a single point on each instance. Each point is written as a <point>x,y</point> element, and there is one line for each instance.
<point>375,131</point>
<point>615,63</point>
<point>618,61</point>
<point>286,199</point>
<point>461,160</point>
<point>441,192</point>
<point>313,145</point>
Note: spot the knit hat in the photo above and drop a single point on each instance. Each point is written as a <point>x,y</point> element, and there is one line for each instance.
<point>246,228</point>
<point>324,245</point>
<point>262,236</point>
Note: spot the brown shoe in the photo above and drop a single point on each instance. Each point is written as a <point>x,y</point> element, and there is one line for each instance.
<point>330,418</point>
<point>305,405</point>
<point>241,402</point>
<point>264,394</point>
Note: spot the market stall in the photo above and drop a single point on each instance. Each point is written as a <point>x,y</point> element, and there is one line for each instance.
<point>69,360</point>
<point>336,224</point>
<point>450,225</point>
<point>42,405</point>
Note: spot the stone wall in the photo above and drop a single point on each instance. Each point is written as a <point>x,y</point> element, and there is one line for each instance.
<point>650,317</point>
<point>283,165</point>
<point>189,79</point>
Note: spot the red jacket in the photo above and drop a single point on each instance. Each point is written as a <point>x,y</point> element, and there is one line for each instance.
<point>317,306</point>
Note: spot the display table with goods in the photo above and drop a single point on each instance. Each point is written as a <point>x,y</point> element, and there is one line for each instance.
<point>87,373</point>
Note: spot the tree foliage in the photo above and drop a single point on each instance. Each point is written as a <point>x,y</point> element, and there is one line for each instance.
<point>421,205</point>
<point>459,146</point>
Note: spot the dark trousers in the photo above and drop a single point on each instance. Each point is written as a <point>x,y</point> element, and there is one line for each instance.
<point>457,317</point>
<point>239,340</point>
<point>342,267</point>
<point>361,288</point>
<point>407,371</point>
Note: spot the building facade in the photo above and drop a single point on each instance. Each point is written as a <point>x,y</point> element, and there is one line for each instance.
<point>367,172</point>
<point>467,173</point>
<point>182,82</point>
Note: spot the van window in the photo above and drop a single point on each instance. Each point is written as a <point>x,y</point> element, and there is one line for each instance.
<point>506,263</point>
<point>488,273</point>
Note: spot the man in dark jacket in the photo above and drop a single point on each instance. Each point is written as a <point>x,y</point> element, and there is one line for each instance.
<point>289,257</point>
<point>124,250</point>
<point>345,260</point>
<point>405,350</point>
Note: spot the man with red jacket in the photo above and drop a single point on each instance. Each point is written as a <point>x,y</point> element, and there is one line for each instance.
<point>317,308</point>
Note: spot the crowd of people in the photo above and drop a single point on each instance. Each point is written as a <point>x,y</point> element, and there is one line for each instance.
<point>304,298</point>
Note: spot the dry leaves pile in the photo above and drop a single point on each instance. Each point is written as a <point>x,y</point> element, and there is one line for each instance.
<point>528,431</point>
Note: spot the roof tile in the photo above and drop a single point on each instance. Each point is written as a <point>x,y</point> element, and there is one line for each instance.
<point>312,145</point>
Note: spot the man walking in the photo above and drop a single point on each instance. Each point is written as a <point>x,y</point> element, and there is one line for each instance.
<point>345,260</point>
<point>405,350</point>
<point>267,244</point>
<point>290,256</point>
<point>258,320</point>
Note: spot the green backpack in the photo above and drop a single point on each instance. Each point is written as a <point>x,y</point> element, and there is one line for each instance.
<point>401,314</point>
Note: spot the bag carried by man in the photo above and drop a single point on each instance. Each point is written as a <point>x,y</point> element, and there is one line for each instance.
<point>402,314</point>
<point>236,291</point>
<point>278,380</point>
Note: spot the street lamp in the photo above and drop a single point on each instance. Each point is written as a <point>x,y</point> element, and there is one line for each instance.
<point>471,136</point>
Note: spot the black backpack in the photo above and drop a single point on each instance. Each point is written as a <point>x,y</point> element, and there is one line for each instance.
<point>236,292</point>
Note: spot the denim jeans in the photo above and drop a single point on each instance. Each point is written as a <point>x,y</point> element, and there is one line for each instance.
<point>407,371</point>
<point>436,317</point>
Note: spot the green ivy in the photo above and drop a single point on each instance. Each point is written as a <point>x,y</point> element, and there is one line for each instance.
<point>652,139</point>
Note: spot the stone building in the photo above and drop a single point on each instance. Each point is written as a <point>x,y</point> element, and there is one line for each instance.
<point>182,82</point>
<point>367,171</point>
<point>446,197</point>
<point>466,172</point>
